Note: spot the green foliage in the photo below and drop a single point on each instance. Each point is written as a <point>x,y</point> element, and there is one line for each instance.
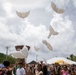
<point>9,58</point>
<point>72,57</point>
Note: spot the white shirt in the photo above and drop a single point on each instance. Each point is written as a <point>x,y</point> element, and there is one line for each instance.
<point>20,71</point>
<point>38,73</point>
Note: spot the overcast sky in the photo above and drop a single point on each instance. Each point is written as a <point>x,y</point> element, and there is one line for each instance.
<point>35,28</point>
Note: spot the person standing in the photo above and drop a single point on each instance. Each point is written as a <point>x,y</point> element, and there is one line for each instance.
<point>16,66</point>
<point>39,70</point>
<point>20,70</point>
<point>57,69</point>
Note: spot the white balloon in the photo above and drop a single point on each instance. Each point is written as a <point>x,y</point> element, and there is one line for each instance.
<point>21,54</point>
<point>18,54</point>
<point>36,48</point>
<point>52,32</point>
<point>47,44</point>
<point>56,9</point>
<point>22,15</point>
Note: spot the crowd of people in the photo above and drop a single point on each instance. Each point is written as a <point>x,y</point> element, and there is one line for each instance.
<point>37,69</point>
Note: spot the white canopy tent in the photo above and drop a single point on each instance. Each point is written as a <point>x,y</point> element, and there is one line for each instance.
<point>60,60</point>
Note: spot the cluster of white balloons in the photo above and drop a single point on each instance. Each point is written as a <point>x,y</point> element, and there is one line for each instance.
<point>24,52</point>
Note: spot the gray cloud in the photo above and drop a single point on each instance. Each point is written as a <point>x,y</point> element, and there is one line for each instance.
<point>35,28</point>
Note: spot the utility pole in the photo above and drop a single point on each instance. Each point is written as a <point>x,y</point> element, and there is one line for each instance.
<point>36,58</point>
<point>7,47</point>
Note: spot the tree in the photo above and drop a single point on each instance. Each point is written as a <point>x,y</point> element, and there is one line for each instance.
<point>72,57</point>
<point>9,58</point>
